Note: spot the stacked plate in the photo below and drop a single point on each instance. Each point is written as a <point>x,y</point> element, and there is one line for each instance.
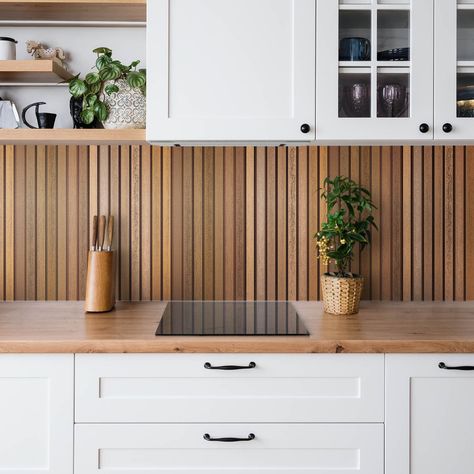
<point>397,54</point>
<point>465,101</point>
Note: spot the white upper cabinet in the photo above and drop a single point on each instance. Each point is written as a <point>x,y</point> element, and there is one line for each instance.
<point>454,69</point>
<point>374,70</point>
<point>429,414</point>
<point>231,70</point>
<point>36,413</point>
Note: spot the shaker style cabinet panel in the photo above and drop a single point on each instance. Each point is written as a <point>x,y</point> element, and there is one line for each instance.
<point>454,69</point>
<point>190,388</point>
<point>374,77</point>
<point>429,414</point>
<point>270,449</point>
<point>36,413</point>
<point>231,70</point>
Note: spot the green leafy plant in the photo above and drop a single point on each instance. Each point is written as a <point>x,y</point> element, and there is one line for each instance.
<point>103,80</point>
<point>349,222</point>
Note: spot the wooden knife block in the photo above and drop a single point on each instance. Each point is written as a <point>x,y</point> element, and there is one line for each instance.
<point>100,286</point>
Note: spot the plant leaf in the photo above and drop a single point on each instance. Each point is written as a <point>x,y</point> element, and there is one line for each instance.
<point>92,78</point>
<point>103,50</point>
<point>77,87</point>
<point>102,61</point>
<point>110,72</point>
<point>111,89</point>
<point>95,88</point>
<point>100,110</point>
<point>91,99</point>
<point>136,79</point>
<point>87,116</point>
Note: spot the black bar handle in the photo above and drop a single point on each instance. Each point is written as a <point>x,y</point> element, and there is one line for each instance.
<point>250,437</point>
<point>442,365</point>
<point>208,365</point>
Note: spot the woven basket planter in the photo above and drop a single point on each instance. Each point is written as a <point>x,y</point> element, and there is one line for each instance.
<point>341,295</point>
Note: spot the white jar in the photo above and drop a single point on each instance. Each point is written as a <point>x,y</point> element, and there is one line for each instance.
<point>7,48</point>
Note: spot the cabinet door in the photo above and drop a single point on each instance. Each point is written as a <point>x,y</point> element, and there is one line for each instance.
<point>377,79</point>
<point>454,69</point>
<point>273,449</point>
<point>36,414</point>
<point>429,414</point>
<point>230,70</point>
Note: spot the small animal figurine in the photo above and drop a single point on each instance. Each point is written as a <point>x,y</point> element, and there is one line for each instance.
<point>38,51</point>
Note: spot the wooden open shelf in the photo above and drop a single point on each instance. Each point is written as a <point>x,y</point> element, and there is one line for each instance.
<point>60,136</point>
<point>78,10</point>
<point>32,71</point>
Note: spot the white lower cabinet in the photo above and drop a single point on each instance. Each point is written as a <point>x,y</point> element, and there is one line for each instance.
<point>430,414</point>
<point>36,413</point>
<point>275,448</point>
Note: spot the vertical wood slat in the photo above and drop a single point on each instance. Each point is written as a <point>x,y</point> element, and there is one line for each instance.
<point>61,242</point>
<point>219,237</point>
<point>51,223</point>
<point>232,223</point>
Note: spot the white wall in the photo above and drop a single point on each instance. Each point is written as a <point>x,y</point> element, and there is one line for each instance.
<point>127,44</point>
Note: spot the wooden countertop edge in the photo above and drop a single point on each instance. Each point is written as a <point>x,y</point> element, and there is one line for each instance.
<point>220,345</point>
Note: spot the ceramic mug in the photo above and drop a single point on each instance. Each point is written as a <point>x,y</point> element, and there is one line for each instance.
<point>354,49</point>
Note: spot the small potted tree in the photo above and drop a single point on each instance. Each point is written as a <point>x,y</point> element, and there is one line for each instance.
<point>349,221</point>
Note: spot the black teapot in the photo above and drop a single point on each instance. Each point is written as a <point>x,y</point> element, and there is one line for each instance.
<point>44,119</point>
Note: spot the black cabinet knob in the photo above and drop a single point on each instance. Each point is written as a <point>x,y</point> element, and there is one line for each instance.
<point>305,128</point>
<point>447,127</point>
<point>424,128</point>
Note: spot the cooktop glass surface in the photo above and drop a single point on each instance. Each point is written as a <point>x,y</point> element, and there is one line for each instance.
<point>230,318</point>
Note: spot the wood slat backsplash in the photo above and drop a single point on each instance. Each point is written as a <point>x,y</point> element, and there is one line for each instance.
<point>231,223</point>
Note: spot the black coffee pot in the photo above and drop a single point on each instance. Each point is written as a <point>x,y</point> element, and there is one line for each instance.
<point>45,120</point>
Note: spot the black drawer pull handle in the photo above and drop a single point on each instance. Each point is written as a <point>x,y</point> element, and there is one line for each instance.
<point>208,365</point>
<point>207,437</point>
<point>442,365</point>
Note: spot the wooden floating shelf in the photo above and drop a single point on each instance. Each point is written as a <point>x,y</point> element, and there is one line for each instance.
<point>32,71</point>
<point>78,10</point>
<point>59,136</point>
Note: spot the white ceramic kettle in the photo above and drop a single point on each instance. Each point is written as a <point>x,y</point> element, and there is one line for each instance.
<point>9,117</point>
<point>7,48</point>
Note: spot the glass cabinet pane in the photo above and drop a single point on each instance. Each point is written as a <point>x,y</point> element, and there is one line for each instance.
<point>465,64</point>
<point>393,94</point>
<point>354,94</point>
<point>354,35</point>
<point>393,35</point>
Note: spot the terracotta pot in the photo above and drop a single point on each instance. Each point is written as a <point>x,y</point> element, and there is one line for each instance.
<point>341,295</point>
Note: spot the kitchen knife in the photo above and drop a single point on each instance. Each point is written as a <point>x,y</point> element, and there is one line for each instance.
<point>94,234</point>
<point>110,233</point>
<point>101,233</point>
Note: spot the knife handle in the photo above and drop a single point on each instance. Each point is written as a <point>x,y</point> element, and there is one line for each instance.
<point>110,233</point>
<point>101,232</point>
<point>94,233</point>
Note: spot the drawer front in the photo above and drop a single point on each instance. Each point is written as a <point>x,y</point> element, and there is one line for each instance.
<point>276,449</point>
<point>170,388</point>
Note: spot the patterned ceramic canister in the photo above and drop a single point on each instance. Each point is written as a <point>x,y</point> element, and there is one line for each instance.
<point>127,108</point>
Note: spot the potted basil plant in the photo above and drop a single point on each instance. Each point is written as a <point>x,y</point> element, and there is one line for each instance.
<point>349,222</point>
<point>112,95</point>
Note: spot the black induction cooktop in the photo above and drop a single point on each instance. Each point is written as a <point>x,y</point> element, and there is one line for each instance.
<point>230,318</point>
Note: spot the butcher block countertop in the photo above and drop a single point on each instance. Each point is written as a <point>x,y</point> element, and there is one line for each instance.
<point>379,327</point>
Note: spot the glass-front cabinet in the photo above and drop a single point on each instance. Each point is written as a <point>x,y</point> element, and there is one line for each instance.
<point>454,69</point>
<point>375,69</point>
